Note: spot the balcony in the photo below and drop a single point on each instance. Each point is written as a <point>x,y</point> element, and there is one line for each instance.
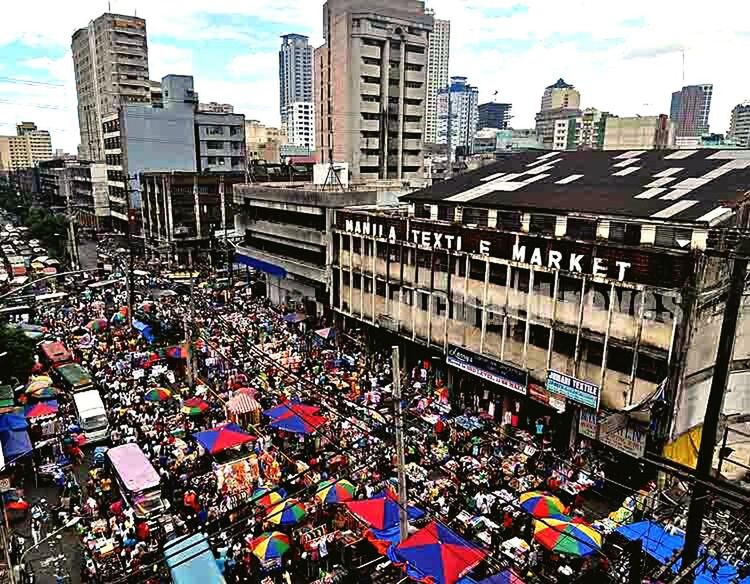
<point>370,70</point>
<point>416,58</point>
<point>369,160</point>
<point>416,76</point>
<point>414,93</point>
<point>293,233</point>
<point>413,127</point>
<point>370,89</point>
<point>369,107</point>
<point>369,125</point>
<point>410,144</point>
<point>370,51</point>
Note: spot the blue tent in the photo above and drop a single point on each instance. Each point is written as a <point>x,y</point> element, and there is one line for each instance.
<point>660,545</point>
<point>146,331</point>
<point>13,422</point>
<point>191,561</point>
<point>16,443</point>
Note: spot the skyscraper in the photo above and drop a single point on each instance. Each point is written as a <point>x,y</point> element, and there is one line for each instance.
<point>295,71</point>
<point>438,57</point>
<point>370,87</point>
<point>739,125</point>
<point>560,101</point>
<point>110,57</point>
<point>494,115</point>
<point>690,109</point>
<point>458,115</point>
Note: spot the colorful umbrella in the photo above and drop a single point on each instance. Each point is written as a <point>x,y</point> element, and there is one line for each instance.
<point>288,512</point>
<point>335,491</point>
<point>381,511</point>
<point>38,383</point>
<point>290,408</point>
<point>194,406</point>
<point>243,404</point>
<point>40,410</point>
<point>96,325</point>
<point>118,318</point>
<point>252,392</point>
<point>157,394</point>
<point>222,437</point>
<point>266,497</point>
<point>325,333</point>
<point>270,545</point>
<point>437,554</point>
<point>504,577</point>
<point>44,392</point>
<point>566,537</point>
<point>176,353</point>
<point>541,505</point>
<point>297,424</point>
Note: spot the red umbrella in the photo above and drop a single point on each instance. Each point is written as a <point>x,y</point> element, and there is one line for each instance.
<point>222,437</point>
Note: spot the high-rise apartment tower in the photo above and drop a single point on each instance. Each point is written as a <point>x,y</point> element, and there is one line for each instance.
<point>438,57</point>
<point>295,71</point>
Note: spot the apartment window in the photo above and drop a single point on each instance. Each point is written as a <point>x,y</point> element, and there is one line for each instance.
<point>235,130</point>
<point>212,160</point>
<point>215,130</point>
<point>214,145</point>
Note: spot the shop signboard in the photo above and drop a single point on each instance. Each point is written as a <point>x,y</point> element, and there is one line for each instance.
<point>577,390</point>
<point>487,368</point>
<point>616,431</point>
<point>540,394</point>
<point>588,425</point>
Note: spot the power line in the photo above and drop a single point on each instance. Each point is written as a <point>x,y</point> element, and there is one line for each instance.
<point>29,82</point>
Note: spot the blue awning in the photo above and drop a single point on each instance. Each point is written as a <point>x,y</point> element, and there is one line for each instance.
<point>266,267</point>
<point>191,561</point>
<point>16,443</point>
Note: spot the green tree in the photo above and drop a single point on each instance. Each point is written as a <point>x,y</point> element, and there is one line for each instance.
<point>49,228</point>
<point>20,354</point>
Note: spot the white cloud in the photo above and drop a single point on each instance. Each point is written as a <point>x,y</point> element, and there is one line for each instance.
<point>167,59</point>
<point>59,69</point>
<point>254,65</point>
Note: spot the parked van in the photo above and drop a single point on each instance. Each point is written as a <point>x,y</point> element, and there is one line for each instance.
<point>91,415</point>
<point>140,485</point>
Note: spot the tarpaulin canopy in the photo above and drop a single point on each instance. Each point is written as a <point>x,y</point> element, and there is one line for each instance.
<point>260,265</point>
<point>222,437</point>
<point>289,408</point>
<point>298,424</point>
<point>660,545</point>
<point>13,422</point>
<point>438,553</point>
<point>243,404</point>
<point>146,331</point>
<point>380,511</point>
<point>326,333</point>
<point>42,409</point>
<point>295,317</point>
<point>191,561</point>
<point>16,443</point>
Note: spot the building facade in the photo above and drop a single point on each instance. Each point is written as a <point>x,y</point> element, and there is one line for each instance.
<point>26,149</point>
<point>371,86</point>
<point>531,292</point>
<point>560,101</point>
<point>187,210</point>
<point>739,125</point>
<point>79,187</point>
<point>639,133</point>
<point>690,109</point>
<point>263,142</point>
<point>295,71</point>
<point>110,58</point>
<point>438,62</point>
<point>299,124</point>
<point>220,140</point>
<point>141,138</point>
<point>495,115</point>
<point>215,108</point>
<point>458,116</point>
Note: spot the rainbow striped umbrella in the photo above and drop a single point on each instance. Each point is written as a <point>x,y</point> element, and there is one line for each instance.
<point>288,512</point>
<point>96,325</point>
<point>194,406</point>
<point>335,491</point>
<point>541,505</point>
<point>566,537</point>
<point>270,545</point>
<point>266,497</point>
<point>157,394</point>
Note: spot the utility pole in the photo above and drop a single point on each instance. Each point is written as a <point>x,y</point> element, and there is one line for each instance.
<point>72,243</point>
<point>189,324</point>
<point>715,404</point>
<point>398,418</point>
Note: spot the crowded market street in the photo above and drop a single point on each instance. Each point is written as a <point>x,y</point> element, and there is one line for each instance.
<point>210,433</point>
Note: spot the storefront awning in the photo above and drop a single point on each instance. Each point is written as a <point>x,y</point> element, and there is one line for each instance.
<point>191,561</point>
<point>260,265</point>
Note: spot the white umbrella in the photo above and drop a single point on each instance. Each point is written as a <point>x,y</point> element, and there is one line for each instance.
<point>40,259</point>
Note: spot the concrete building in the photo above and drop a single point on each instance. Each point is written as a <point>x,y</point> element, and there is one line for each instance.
<point>285,229</point>
<point>370,87</point>
<point>215,108</point>
<point>494,115</point>
<point>263,142</point>
<point>26,149</point>
<point>220,139</point>
<point>517,140</point>
<point>79,185</point>
<point>438,61</point>
<point>157,99</point>
<point>690,109</point>
<point>295,71</point>
<point>141,138</point>
<point>299,124</point>
<point>458,116</point>
<point>593,126</point>
<point>739,125</point>
<point>560,101</point>
<point>187,210</point>
<point>551,279</point>
<point>639,133</point>
<point>110,58</point>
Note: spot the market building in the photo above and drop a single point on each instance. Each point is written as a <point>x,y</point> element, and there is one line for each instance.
<point>588,282</point>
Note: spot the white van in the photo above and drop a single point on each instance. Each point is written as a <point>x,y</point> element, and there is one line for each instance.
<point>91,415</point>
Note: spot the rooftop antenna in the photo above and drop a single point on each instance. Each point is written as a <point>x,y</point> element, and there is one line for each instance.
<point>109,6</point>
<point>494,96</point>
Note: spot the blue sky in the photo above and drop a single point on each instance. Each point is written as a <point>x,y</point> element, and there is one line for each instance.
<point>625,58</point>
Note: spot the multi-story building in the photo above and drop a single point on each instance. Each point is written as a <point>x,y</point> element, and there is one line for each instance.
<point>263,142</point>
<point>739,125</point>
<point>438,61</point>
<point>110,57</point>
<point>187,210</point>
<point>690,109</point>
<point>157,99</point>
<point>140,138</point>
<point>583,281</point>
<point>560,101</point>
<point>295,71</point>
<point>593,125</point>
<point>639,133</point>
<point>494,115</point>
<point>299,124</point>
<point>370,87</point>
<point>215,108</point>
<point>26,149</point>
<point>458,116</point>
<point>220,139</point>
<point>516,140</point>
<point>77,186</point>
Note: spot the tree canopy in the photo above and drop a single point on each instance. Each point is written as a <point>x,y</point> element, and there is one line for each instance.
<point>20,354</point>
